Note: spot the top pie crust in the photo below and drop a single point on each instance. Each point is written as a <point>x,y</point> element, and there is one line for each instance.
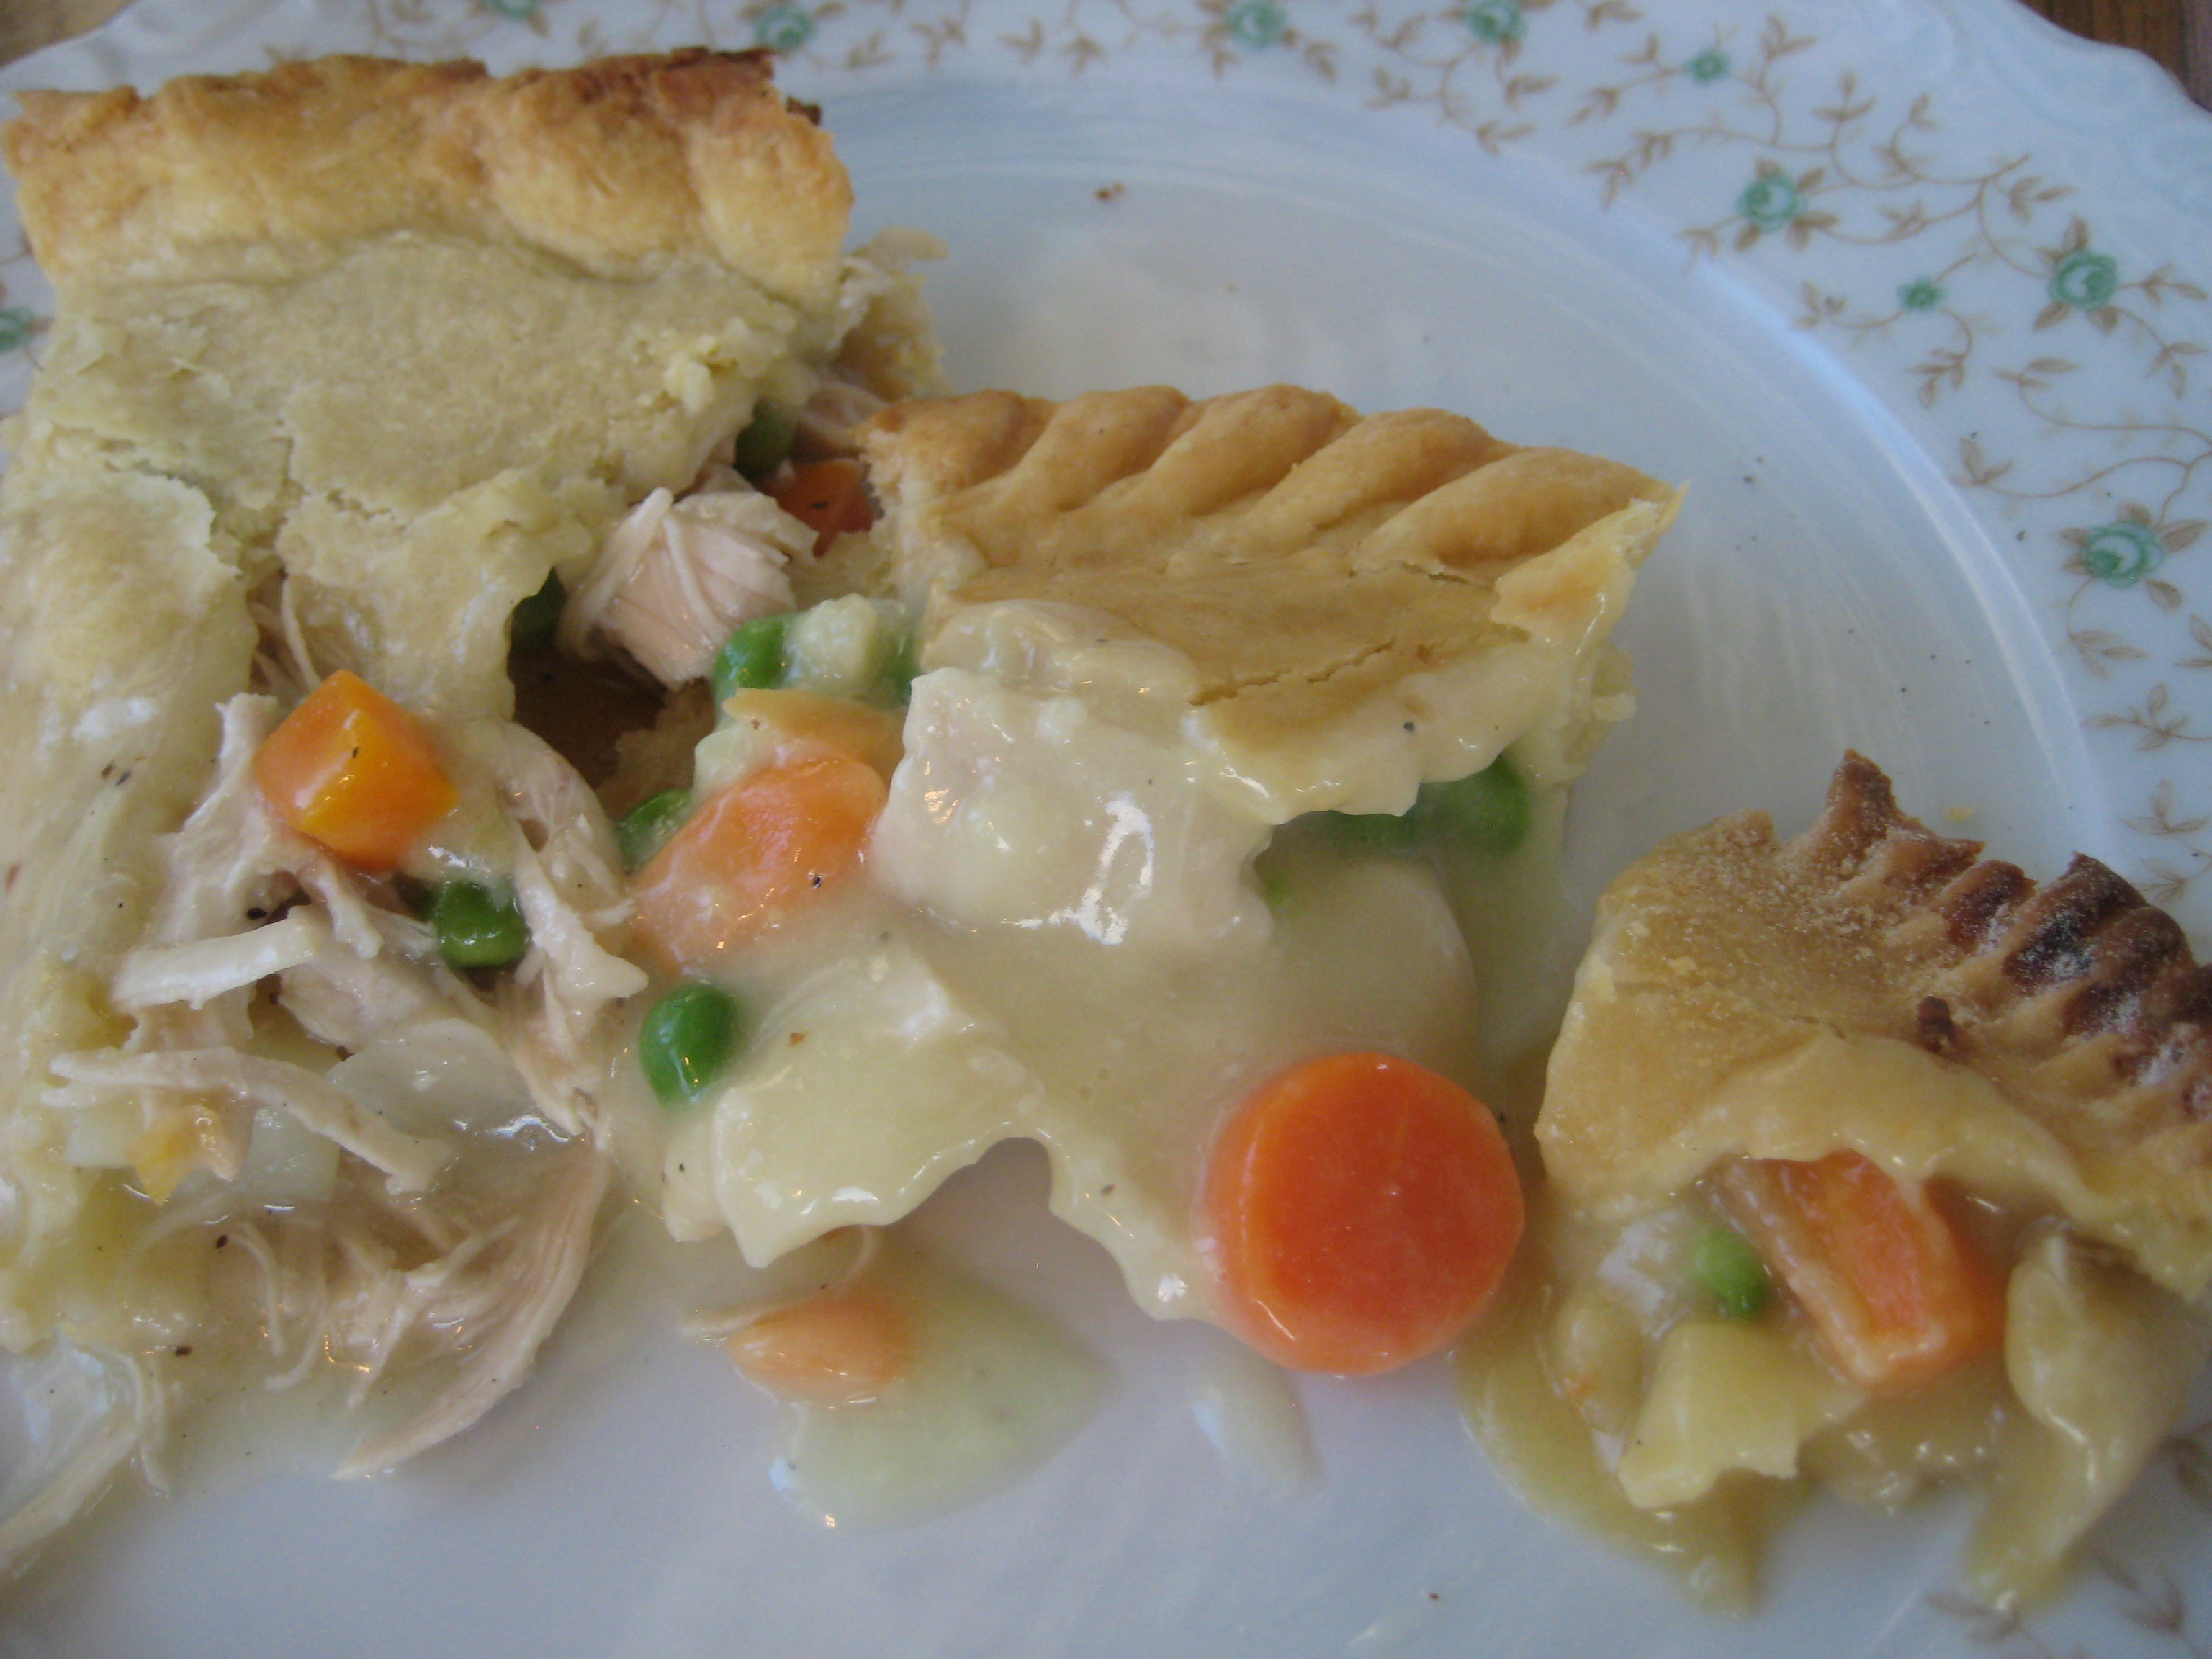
<point>1362,602</point>
<point>1870,985</point>
<point>619,165</point>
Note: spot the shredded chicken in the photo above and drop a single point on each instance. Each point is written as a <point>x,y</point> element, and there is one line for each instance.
<point>196,974</point>
<point>232,856</point>
<point>511,1294</point>
<point>88,1413</point>
<point>410,1162</point>
<point>344,1000</point>
<point>567,879</point>
<point>675,577</point>
<point>449,1254</point>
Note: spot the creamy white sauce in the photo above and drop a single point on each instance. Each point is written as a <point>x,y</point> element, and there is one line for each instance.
<point>1249,1412</point>
<point>1057,934</point>
<point>993,1390</point>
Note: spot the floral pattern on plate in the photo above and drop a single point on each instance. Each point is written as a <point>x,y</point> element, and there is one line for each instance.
<point>2047,349</point>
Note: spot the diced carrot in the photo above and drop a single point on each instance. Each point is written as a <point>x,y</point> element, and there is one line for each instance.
<point>771,843</point>
<point>352,769</point>
<point>183,1139</point>
<point>843,1348</point>
<point>828,497</point>
<point>1894,1292</point>
<point>1360,1209</point>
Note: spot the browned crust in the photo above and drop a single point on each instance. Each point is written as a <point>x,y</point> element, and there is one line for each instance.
<point>2082,965</point>
<point>619,165</point>
<point>1101,476</point>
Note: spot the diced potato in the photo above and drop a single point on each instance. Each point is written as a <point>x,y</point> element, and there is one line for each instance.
<point>1723,1397</point>
<point>840,647</point>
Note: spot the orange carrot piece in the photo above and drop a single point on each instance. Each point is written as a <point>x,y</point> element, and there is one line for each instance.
<point>1359,1210</point>
<point>769,844</point>
<point>797,721</point>
<point>1896,1295</point>
<point>843,1348</point>
<point>352,769</point>
<point>828,496</point>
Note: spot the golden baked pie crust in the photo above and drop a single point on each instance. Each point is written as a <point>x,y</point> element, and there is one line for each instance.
<point>1320,569</point>
<point>1744,995</point>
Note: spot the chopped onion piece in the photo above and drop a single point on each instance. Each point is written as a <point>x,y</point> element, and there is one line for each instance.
<point>286,1162</point>
<point>436,1076</point>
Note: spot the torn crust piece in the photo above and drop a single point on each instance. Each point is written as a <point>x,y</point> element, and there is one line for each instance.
<point>1933,1143</point>
<point>1353,604</point>
<point>347,359</point>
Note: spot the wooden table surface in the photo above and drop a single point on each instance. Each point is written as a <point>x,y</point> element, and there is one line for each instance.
<point>2177,32</point>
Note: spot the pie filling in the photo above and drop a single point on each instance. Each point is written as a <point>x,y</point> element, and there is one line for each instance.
<point>1871,1164</point>
<point>323,1120</point>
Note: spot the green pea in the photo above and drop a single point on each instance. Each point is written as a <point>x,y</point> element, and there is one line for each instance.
<point>689,1037</point>
<point>476,926</point>
<point>535,618</point>
<point>765,443</point>
<point>1489,811</point>
<point>1729,1271</point>
<point>1372,832</point>
<point>644,828</point>
<point>899,670</point>
<point>751,658</point>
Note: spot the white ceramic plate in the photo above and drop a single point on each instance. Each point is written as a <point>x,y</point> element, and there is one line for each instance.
<point>1909,293</point>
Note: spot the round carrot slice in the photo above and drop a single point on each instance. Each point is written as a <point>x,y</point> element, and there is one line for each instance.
<point>1358,1210</point>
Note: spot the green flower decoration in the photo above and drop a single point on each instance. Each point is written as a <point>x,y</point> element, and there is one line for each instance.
<point>2123,553</point>
<point>17,322</point>
<point>1920,294</point>
<point>1257,23</point>
<point>2085,279</point>
<point>783,28</point>
<point>515,9</point>
<point>1494,22</point>
<point>1708,66</point>
<point>1770,201</point>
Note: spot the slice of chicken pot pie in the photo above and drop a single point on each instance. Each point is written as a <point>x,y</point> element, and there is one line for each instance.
<point>1209,708</point>
<point>309,947</point>
<point>1877,1163</point>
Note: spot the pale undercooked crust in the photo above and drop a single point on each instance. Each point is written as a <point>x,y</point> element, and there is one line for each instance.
<point>1310,562</point>
<point>1725,957</point>
<point>617,166</point>
<point>350,353</point>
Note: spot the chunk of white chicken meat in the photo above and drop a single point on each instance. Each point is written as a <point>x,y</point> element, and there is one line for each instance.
<point>676,576</point>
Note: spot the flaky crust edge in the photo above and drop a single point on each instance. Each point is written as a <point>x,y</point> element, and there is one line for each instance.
<point>620,166</point>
